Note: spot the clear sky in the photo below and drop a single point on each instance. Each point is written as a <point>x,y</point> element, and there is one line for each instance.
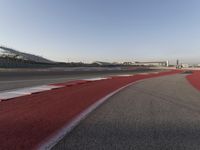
<point>107,30</point>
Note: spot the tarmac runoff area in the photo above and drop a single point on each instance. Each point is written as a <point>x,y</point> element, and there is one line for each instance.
<point>156,114</point>
<point>14,79</point>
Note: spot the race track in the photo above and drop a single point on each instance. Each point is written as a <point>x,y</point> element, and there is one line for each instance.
<point>157,114</point>
<point>29,121</point>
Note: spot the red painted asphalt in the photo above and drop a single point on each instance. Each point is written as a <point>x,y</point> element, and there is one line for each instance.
<point>194,79</point>
<point>27,121</point>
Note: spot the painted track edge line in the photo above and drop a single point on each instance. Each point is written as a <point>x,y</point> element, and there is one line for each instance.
<point>54,139</point>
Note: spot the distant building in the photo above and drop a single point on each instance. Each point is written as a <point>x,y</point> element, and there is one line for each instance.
<point>184,65</point>
<point>153,63</point>
<point>101,63</point>
<point>128,63</point>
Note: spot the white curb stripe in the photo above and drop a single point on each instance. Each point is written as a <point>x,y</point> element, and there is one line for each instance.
<point>124,75</point>
<point>26,91</point>
<point>30,90</point>
<point>144,73</point>
<point>9,95</point>
<point>95,79</point>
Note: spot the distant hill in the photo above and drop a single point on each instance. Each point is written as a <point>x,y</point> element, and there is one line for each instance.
<point>12,53</point>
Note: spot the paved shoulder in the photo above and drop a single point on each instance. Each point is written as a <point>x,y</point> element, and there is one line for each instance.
<point>160,113</point>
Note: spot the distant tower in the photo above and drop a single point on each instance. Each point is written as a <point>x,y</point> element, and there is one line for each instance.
<point>177,62</point>
<point>167,63</point>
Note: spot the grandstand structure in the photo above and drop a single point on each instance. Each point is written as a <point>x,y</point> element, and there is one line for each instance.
<point>11,58</point>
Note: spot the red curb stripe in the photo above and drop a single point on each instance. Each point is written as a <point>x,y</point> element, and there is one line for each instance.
<point>194,79</point>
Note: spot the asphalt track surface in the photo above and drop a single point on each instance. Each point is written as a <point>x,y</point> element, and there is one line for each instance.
<point>19,79</point>
<point>156,114</point>
<point>28,121</point>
